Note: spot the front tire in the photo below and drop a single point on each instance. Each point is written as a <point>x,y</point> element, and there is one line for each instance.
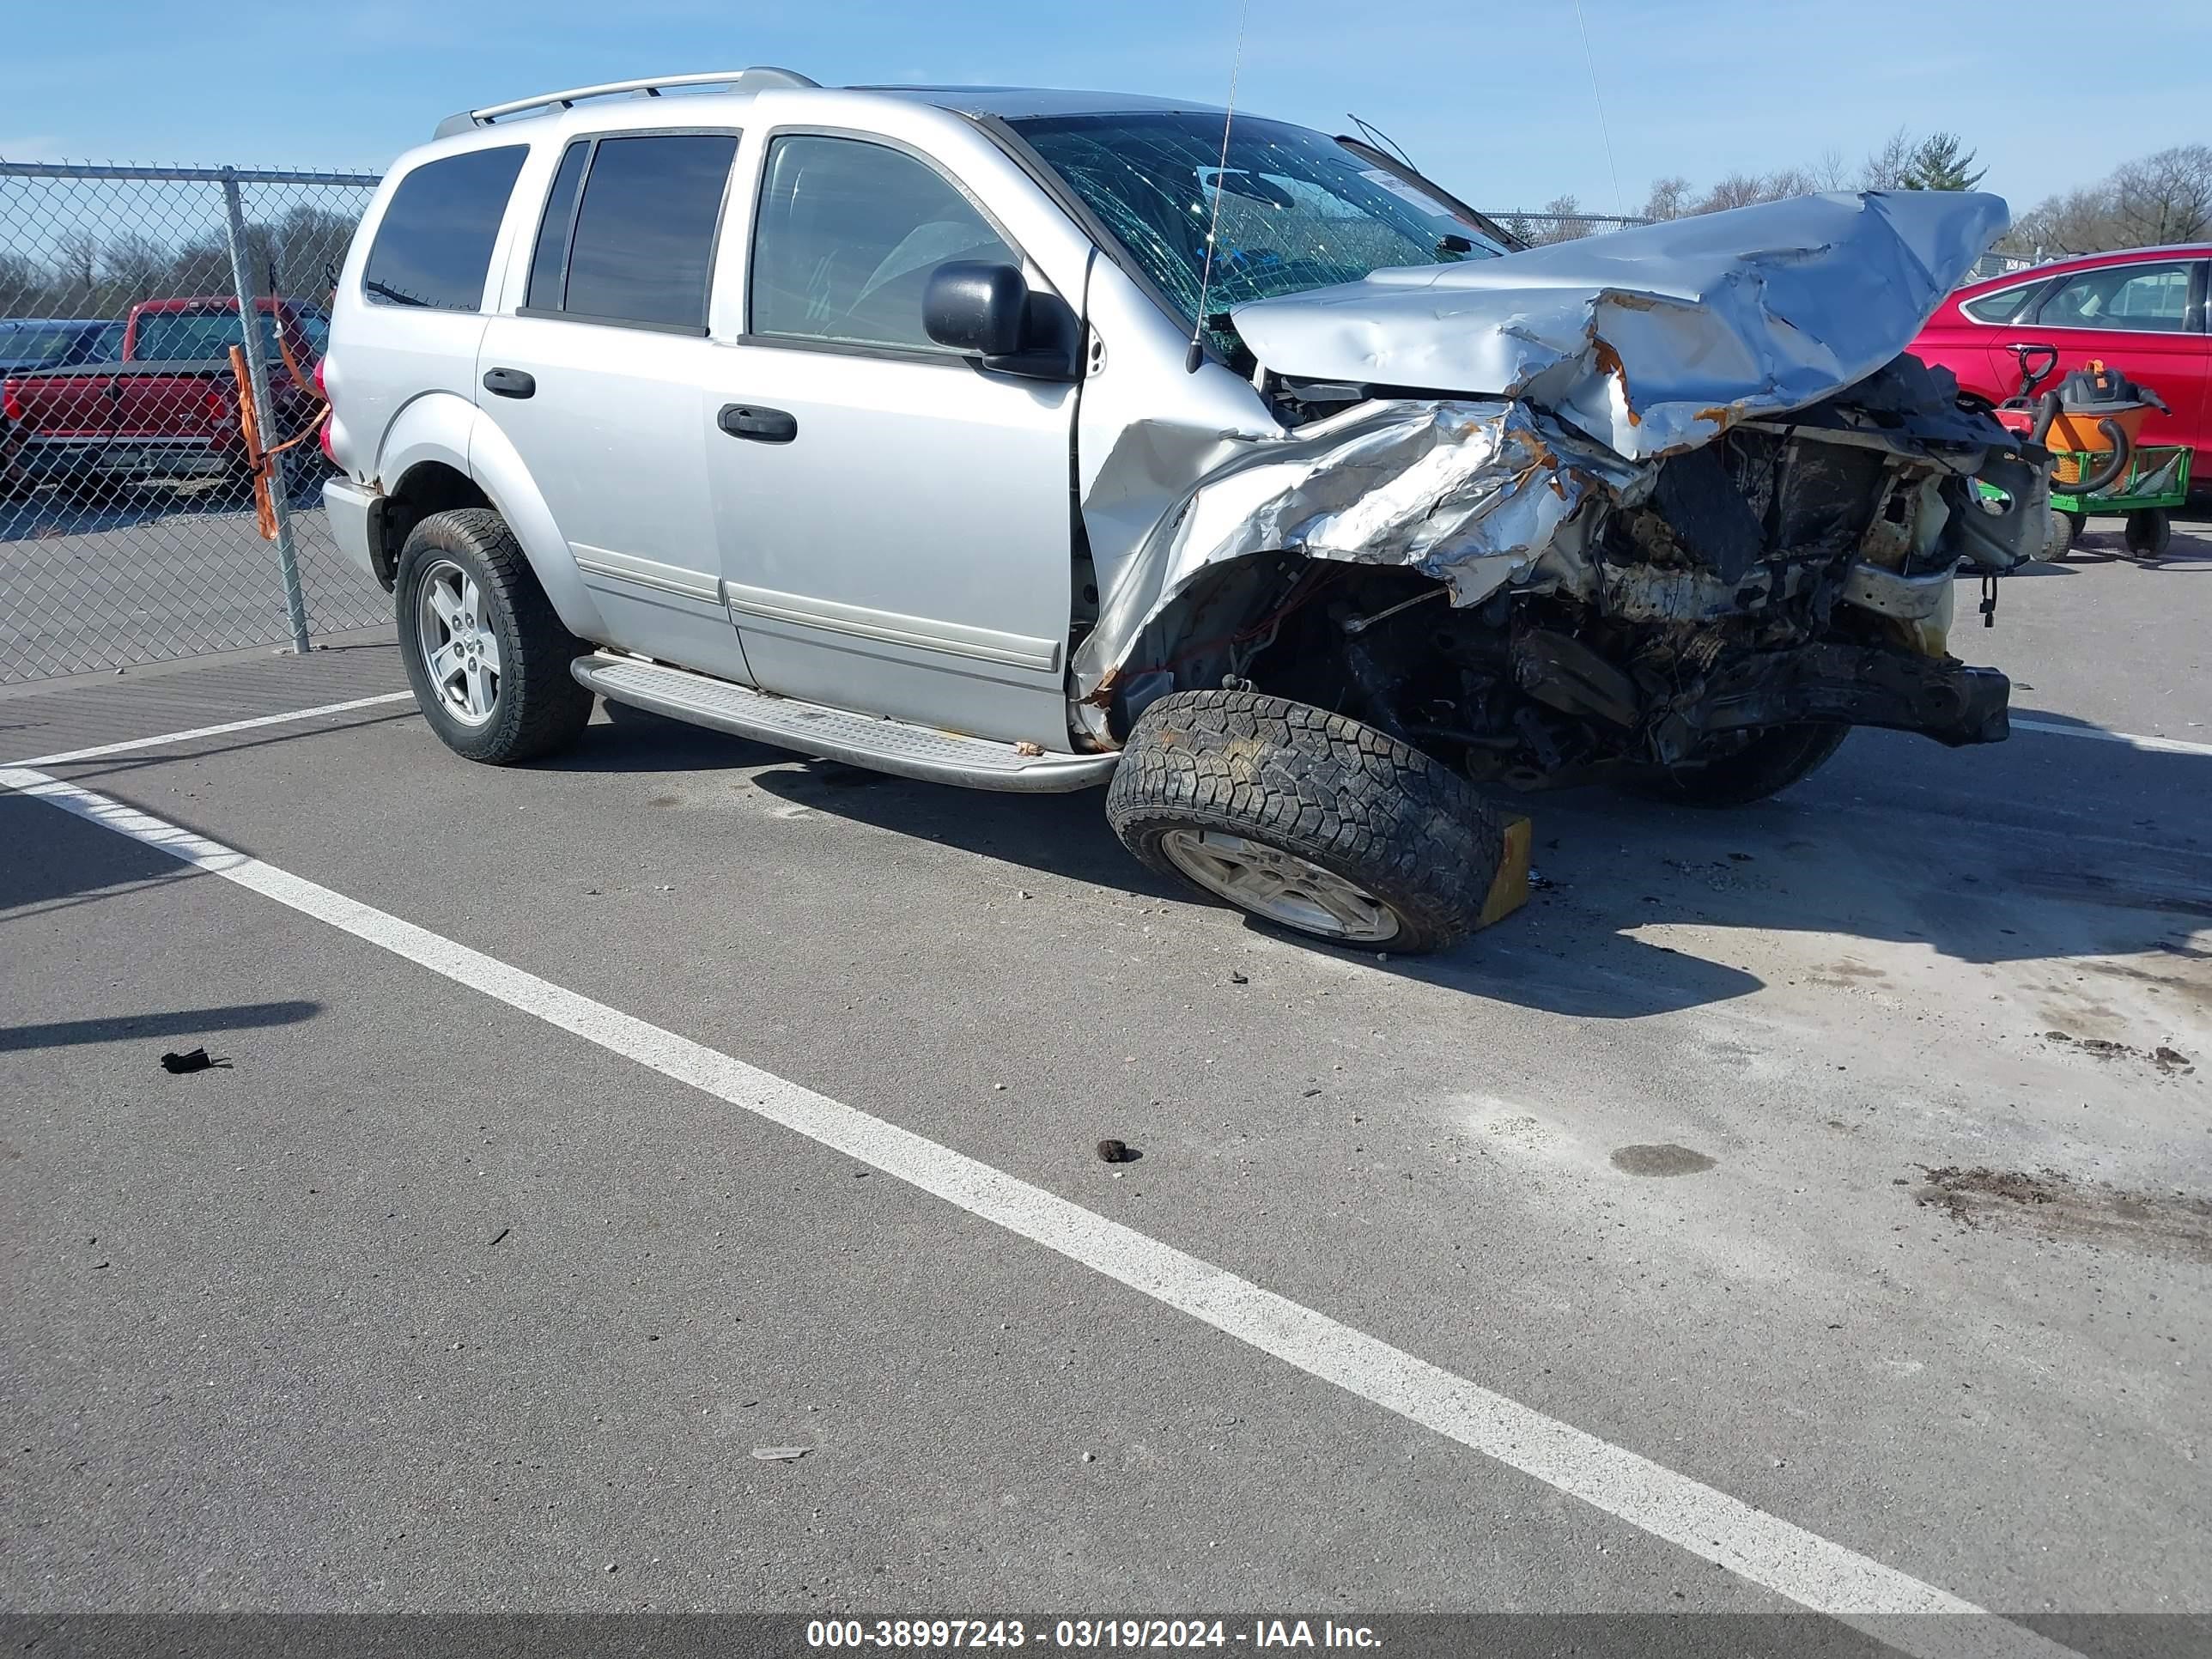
<point>1772,761</point>
<point>2066,530</point>
<point>485,652</point>
<point>1306,820</point>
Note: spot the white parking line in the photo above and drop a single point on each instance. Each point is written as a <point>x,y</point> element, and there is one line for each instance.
<point>2157,745</point>
<point>1768,1551</point>
<point>168,738</point>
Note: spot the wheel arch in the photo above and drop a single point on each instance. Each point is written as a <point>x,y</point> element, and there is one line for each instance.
<point>443,451</point>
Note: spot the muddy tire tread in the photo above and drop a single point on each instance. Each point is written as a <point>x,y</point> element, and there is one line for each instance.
<point>1327,789</point>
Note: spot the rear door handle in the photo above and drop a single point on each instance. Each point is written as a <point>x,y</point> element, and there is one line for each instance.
<point>762,426</point>
<point>509,383</point>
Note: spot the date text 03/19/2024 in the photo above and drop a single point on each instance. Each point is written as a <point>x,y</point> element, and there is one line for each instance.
<point>1086,1634</point>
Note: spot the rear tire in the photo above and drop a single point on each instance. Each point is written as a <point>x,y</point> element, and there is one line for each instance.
<point>1765,766</point>
<point>1306,820</point>
<point>2065,528</point>
<point>485,652</point>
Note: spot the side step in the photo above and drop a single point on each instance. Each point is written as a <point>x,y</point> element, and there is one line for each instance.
<point>869,740</point>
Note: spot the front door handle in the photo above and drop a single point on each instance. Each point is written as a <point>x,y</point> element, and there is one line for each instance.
<point>509,383</point>
<point>762,426</point>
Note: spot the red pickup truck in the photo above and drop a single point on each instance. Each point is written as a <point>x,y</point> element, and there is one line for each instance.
<point>169,407</point>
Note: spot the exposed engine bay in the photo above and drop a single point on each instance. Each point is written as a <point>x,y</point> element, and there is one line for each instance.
<point>1624,564</point>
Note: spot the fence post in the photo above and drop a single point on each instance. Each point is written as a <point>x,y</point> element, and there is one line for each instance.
<point>257,373</point>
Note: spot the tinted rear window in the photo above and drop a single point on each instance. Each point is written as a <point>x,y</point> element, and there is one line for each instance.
<point>1998,307</point>
<point>434,247</point>
<point>643,247</point>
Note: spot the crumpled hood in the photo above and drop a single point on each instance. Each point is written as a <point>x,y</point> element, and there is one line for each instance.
<point>1656,338</point>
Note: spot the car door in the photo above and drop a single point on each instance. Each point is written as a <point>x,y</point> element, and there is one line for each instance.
<point>895,519</point>
<point>2144,318</point>
<point>596,378</point>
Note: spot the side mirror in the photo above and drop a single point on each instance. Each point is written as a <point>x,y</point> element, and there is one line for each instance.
<point>988,310</point>
<point>977,307</point>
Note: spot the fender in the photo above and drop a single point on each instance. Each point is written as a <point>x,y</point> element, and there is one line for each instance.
<point>445,428</point>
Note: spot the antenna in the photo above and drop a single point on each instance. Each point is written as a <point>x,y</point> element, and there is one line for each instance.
<point>1197,353</point>
<point>1604,132</point>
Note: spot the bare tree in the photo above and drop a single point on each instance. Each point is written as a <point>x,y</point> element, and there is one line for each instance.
<point>2158,199</point>
<point>1785,182</point>
<point>1830,171</point>
<point>1743,189</point>
<point>77,259</point>
<point>1565,221</point>
<point>1885,167</point>
<point>201,267</point>
<point>137,267</point>
<point>2079,221</point>
<point>1669,199</point>
<point>1736,189</point>
<point>311,242</point>
<point>2165,198</point>
<point>23,286</point>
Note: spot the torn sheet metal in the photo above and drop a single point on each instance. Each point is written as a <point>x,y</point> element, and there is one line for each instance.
<point>1474,493</point>
<point>1656,338</point>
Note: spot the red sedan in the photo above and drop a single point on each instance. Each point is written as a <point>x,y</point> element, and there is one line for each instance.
<point>2143,312</point>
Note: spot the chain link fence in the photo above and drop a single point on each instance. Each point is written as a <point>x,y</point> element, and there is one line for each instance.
<point>1538,229</point>
<point>127,532</point>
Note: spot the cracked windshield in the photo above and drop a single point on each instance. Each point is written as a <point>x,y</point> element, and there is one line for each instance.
<point>1297,210</point>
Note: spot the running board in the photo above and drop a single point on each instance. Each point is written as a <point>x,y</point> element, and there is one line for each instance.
<point>869,740</point>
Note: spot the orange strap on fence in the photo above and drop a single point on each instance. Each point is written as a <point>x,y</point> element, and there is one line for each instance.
<point>261,463</point>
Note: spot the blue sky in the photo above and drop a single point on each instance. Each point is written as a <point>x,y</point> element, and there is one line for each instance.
<point>1495,101</point>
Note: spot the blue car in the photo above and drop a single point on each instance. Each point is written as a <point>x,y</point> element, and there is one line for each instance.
<point>58,341</point>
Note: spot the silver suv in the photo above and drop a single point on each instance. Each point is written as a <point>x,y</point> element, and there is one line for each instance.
<point>1031,440</point>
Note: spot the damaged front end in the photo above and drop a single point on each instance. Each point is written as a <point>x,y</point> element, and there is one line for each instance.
<point>1703,499</point>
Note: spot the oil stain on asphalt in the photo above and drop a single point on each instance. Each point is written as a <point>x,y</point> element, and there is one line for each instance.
<point>1664,1160</point>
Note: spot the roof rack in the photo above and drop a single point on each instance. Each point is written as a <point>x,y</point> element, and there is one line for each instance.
<point>759,78</point>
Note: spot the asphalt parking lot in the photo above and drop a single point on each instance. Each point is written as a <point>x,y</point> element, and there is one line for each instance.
<point>131,575</point>
<point>1810,1206</point>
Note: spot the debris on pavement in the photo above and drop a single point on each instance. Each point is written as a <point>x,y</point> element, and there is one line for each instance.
<point>780,1453</point>
<point>197,1060</point>
<point>2057,1206</point>
<point>2167,1058</point>
<point>1116,1151</point>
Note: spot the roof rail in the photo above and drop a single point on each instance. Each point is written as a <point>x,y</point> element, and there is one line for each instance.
<point>759,78</point>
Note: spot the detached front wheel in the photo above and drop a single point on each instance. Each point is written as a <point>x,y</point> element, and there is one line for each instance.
<point>1306,820</point>
<point>485,652</point>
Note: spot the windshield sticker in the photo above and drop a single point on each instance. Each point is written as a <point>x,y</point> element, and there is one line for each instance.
<point>1399,187</point>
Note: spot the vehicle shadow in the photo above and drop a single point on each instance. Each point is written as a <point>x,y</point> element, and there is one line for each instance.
<point>57,861</point>
<point>1619,879</point>
<point>637,740</point>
